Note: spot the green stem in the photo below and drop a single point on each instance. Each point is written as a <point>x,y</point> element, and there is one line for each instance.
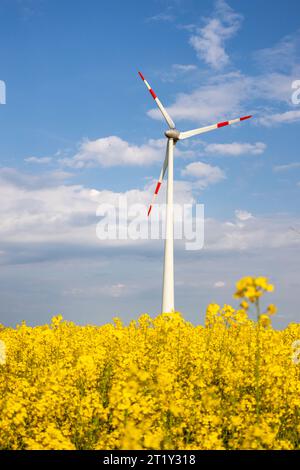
<point>258,313</point>
<point>257,361</point>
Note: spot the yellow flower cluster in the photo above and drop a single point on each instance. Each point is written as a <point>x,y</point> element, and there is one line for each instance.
<point>252,288</point>
<point>158,383</point>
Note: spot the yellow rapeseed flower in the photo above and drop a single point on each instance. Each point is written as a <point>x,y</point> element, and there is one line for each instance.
<point>157,383</point>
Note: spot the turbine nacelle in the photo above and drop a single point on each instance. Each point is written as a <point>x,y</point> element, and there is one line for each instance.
<point>172,134</point>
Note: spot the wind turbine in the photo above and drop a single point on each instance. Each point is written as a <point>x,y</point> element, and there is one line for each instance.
<point>173,135</point>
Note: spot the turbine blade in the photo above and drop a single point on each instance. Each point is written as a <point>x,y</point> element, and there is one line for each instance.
<point>159,104</point>
<point>160,180</point>
<point>202,130</point>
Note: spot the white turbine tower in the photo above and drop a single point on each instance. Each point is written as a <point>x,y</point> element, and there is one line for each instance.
<point>173,135</point>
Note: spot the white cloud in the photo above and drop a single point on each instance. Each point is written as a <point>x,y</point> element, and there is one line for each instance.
<point>27,180</point>
<point>282,56</point>
<point>65,215</point>
<point>177,72</point>
<point>219,284</point>
<point>107,290</point>
<point>204,173</point>
<point>226,96</point>
<point>38,160</point>
<point>113,151</point>
<point>47,233</point>
<point>253,234</point>
<point>222,98</point>
<point>288,117</point>
<point>243,215</point>
<point>209,41</point>
<point>233,95</point>
<point>288,166</point>
<point>36,209</point>
<point>274,87</point>
<point>162,16</point>
<point>236,148</point>
<point>40,211</point>
<point>184,68</point>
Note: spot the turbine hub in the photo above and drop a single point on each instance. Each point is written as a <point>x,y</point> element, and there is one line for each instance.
<point>172,134</point>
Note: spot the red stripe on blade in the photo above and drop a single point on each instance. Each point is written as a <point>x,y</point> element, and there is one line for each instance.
<point>141,75</point>
<point>223,124</point>
<point>245,117</point>
<point>149,210</point>
<point>157,187</point>
<point>152,93</point>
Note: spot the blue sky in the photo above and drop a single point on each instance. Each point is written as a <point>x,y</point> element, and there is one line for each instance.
<point>78,118</point>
